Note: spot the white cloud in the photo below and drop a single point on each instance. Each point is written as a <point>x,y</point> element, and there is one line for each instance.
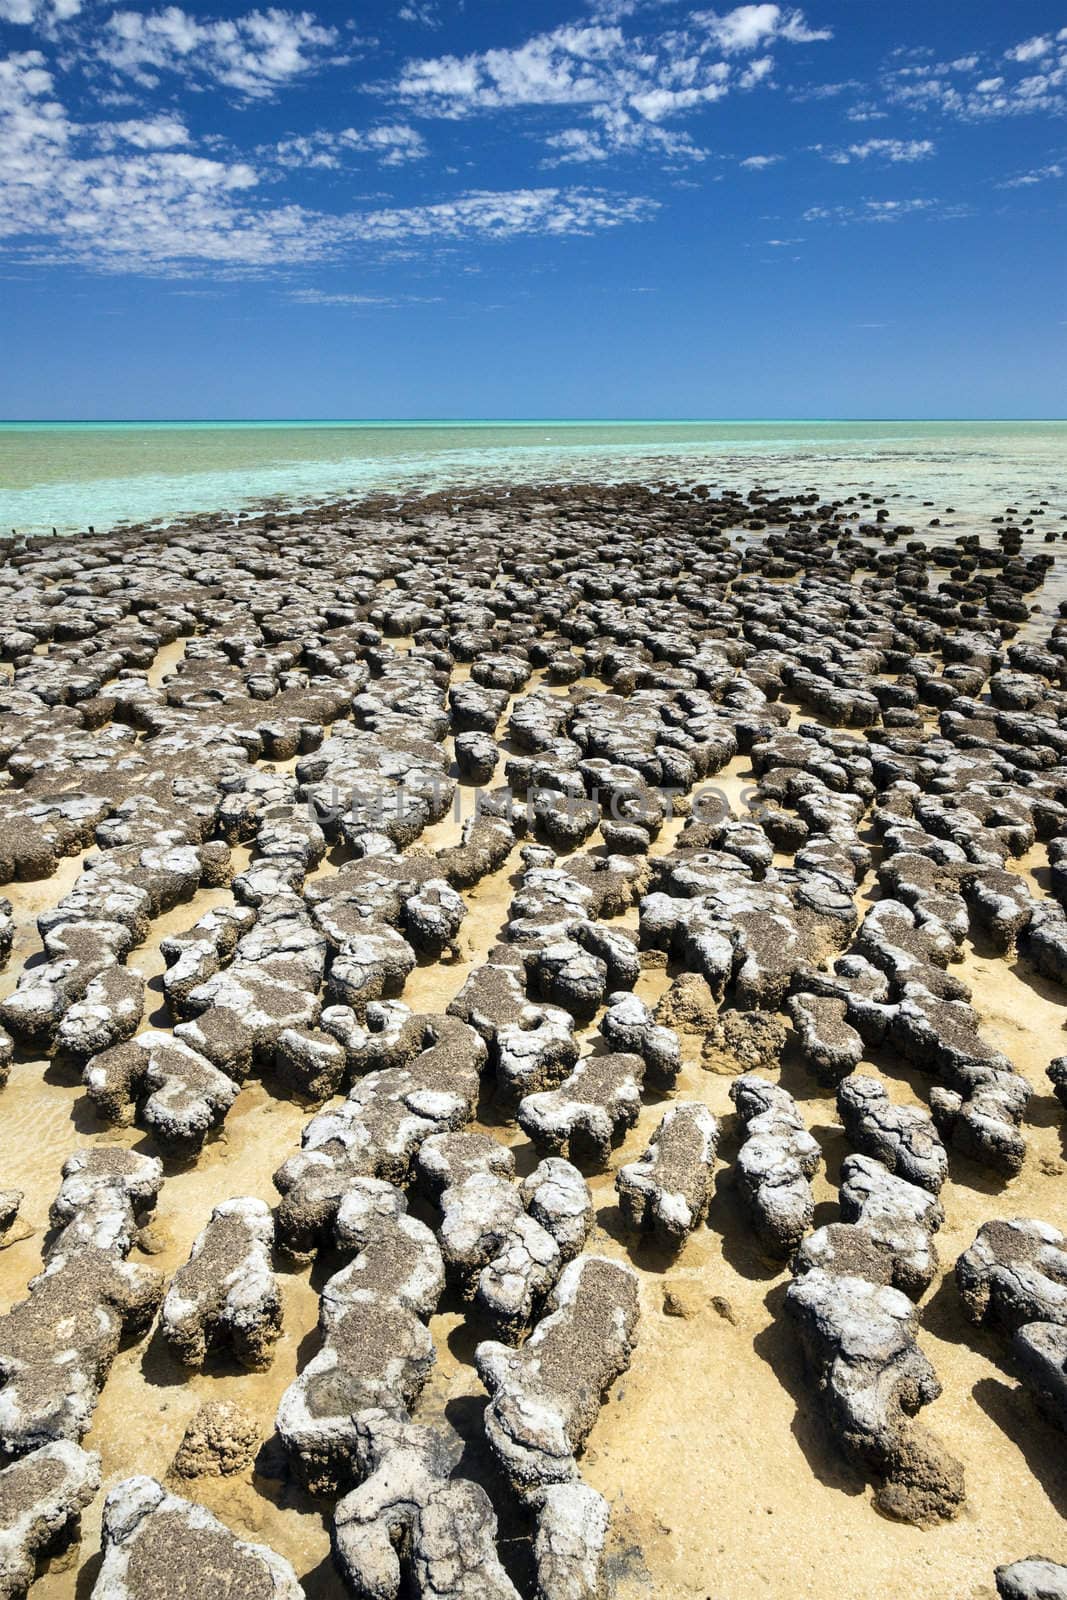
<point>1030,49</point>
<point>759,163</point>
<point>617,133</point>
<point>493,215</point>
<point>619,80</point>
<point>1029,78</point>
<point>420,11</point>
<point>756,72</point>
<point>172,214</point>
<point>34,128</point>
<point>893,150</point>
<point>41,13</point>
<point>256,53</point>
<point>152,209</point>
<point>569,66</point>
<point>1026,180</point>
<point>749,27</point>
<point>392,145</point>
<point>322,297</point>
<point>146,133</point>
<point>886,211</point>
<point>130,195</point>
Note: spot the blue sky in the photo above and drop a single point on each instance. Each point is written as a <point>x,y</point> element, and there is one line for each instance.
<point>596,208</point>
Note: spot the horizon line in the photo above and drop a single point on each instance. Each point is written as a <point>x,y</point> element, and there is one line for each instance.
<point>400,422</point>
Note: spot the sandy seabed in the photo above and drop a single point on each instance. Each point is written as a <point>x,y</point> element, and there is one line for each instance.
<point>722,1475</point>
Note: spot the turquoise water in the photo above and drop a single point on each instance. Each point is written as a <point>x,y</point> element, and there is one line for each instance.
<point>73,475</point>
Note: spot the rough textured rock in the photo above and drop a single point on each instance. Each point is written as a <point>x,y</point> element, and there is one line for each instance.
<point>1032,1579</point>
<point>106,1196</point>
<point>1040,1351</point>
<point>590,1109</point>
<point>182,1096</point>
<point>557,1196</point>
<point>628,1026</point>
<point>41,1499</point>
<point>220,1440</point>
<point>376,1353</point>
<point>737,1041</point>
<point>504,1258</point>
<point>667,1191</point>
<point>827,1042</point>
<point>1014,1272</point>
<point>109,1011</point>
<point>10,1200</point>
<point>572,1530</point>
<point>859,1340</point>
<point>984,1123</point>
<point>414,1525</point>
<point>226,1295</point>
<point>546,1394</point>
<point>886,1231</point>
<point>57,1345</point>
<point>376,1132</point>
<point>310,1062</point>
<point>774,1164</point>
<point>1057,1076</point>
<point>688,1006</point>
<point>903,1138</point>
<point>158,1546</point>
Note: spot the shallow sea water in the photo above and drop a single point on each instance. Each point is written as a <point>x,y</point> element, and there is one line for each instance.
<point>73,475</point>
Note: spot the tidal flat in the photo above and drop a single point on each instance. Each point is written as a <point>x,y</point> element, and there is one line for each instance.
<point>532,1051</point>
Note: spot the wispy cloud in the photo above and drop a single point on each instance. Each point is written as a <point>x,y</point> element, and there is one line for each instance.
<point>421,12</point>
<point>871,211</point>
<point>391,144</point>
<point>144,133</point>
<point>157,209</point>
<point>614,133</point>
<point>1026,180</point>
<point>891,150</point>
<point>1029,78</point>
<point>625,84</point>
<point>760,163</point>
<point>39,13</point>
<point>361,302</point>
<point>256,53</point>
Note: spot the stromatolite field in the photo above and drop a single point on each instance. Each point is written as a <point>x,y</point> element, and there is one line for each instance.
<point>533,1053</point>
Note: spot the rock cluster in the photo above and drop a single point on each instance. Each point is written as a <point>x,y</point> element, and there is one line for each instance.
<point>902,711</point>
